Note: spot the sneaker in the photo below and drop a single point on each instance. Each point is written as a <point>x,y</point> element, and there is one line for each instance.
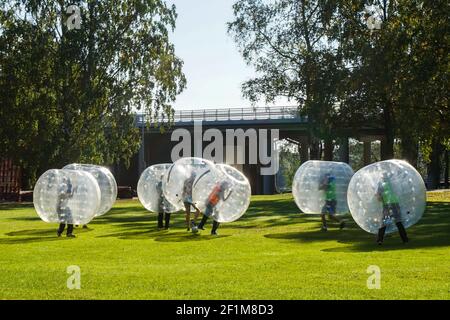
<point>200,227</point>
<point>214,233</point>
<point>379,242</point>
<point>59,234</point>
<point>342,225</point>
<point>71,235</point>
<point>324,228</point>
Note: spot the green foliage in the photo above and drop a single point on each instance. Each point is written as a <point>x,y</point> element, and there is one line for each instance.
<point>69,94</point>
<point>286,42</point>
<point>289,163</point>
<point>323,56</point>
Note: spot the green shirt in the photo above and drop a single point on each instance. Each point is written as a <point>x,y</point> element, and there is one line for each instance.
<point>330,192</point>
<point>387,194</point>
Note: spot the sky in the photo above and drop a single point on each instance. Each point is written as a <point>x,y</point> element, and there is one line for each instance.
<point>212,64</point>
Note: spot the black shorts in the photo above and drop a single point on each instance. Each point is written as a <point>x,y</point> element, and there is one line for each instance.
<point>329,207</point>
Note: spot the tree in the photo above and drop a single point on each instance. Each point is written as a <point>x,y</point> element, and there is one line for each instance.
<point>69,94</point>
<point>287,43</point>
<point>398,73</point>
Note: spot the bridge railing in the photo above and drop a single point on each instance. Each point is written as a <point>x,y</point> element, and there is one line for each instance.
<point>233,114</point>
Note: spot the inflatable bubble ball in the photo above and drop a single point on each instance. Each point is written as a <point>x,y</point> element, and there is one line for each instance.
<point>181,179</point>
<point>227,197</point>
<point>66,196</point>
<point>384,193</point>
<point>106,182</point>
<point>150,189</point>
<point>317,184</point>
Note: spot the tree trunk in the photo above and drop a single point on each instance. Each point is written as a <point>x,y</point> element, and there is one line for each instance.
<point>410,150</point>
<point>387,145</point>
<point>328,150</point>
<point>303,150</point>
<point>314,149</point>
<point>434,167</point>
<point>447,169</point>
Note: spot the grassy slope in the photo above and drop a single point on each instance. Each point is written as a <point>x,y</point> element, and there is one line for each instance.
<point>273,252</point>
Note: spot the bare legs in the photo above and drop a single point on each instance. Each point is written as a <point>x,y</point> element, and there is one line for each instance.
<point>187,207</point>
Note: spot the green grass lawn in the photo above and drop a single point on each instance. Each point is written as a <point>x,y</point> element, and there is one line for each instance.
<point>272,252</point>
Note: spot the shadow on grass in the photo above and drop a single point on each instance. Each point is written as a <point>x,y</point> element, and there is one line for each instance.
<point>146,234</point>
<point>433,230</point>
<point>160,235</point>
<point>188,237</point>
<point>25,218</point>
<point>37,235</point>
<point>22,240</point>
<point>43,232</point>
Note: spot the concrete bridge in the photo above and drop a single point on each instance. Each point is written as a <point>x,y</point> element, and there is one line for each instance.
<point>156,146</point>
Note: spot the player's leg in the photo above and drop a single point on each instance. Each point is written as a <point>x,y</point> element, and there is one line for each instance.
<point>187,208</point>
<point>196,214</point>
<point>206,214</point>
<point>382,229</point>
<point>332,214</point>
<point>167,220</point>
<point>160,220</point>
<point>70,230</point>
<point>401,228</point>
<point>214,228</point>
<point>381,233</point>
<point>322,216</point>
<point>61,228</point>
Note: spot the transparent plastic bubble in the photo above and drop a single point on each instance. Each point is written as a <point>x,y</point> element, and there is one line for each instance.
<point>310,185</point>
<point>226,196</point>
<point>180,180</point>
<point>106,182</point>
<point>150,189</point>
<point>66,196</point>
<point>396,184</point>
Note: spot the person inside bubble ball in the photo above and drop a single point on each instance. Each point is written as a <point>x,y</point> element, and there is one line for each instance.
<point>163,215</point>
<point>391,209</point>
<point>187,200</point>
<point>65,192</point>
<point>217,194</point>
<point>328,184</point>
